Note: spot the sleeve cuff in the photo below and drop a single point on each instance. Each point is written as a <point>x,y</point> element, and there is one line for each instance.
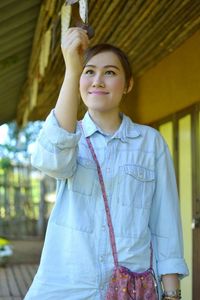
<point>59,136</point>
<point>173,265</point>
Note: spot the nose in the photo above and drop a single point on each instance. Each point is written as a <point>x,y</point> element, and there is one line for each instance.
<point>98,82</point>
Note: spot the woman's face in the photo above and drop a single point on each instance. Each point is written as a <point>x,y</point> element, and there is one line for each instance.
<point>102,83</point>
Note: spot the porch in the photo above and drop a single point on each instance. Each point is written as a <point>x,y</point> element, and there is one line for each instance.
<point>15,280</point>
<point>17,276</point>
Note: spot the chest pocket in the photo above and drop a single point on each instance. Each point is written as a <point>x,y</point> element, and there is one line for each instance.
<point>75,205</point>
<point>136,186</point>
<point>83,179</point>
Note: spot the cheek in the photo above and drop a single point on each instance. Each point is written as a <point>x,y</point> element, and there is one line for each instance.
<point>119,85</point>
<point>84,84</point>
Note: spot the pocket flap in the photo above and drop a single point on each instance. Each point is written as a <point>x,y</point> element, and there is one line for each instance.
<point>140,173</point>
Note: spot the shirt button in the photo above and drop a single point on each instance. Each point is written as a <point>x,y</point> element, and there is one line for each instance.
<point>103,227</point>
<point>101,258</point>
<point>108,170</point>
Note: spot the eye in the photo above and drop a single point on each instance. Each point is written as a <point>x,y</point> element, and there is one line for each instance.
<point>110,73</point>
<point>89,72</point>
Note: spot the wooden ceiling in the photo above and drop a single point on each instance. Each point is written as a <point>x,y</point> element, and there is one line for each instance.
<point>147,30</point>
<point>17,26</point>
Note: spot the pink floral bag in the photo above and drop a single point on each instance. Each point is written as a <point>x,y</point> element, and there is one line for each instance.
<point>125,284</point>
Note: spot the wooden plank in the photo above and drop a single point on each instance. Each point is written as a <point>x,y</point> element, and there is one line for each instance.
<point>32,270</point>
<point>14,289</point>
<point>4,289</point>
<point>26,275</point>
<point>20,280</point>
<point>15,281</point>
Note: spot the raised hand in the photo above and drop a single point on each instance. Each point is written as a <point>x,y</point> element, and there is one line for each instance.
<point>75,41</point>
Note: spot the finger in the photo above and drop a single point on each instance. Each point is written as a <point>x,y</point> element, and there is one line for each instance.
<point>73,30</point>
<point>76,45</point>
<point>77,33</point>
<point>80,36</point>
<point>66,44</point>
<point>76,38</point>
<point>74,34</point>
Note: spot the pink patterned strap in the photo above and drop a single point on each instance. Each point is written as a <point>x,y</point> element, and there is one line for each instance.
<point>109,220</point>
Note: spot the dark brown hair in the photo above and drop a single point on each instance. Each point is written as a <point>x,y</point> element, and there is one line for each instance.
<point>123,58</point>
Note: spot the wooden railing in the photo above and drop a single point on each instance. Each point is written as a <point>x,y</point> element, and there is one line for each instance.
<point>23,207</point>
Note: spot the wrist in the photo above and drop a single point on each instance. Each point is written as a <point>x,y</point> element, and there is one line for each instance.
<point>172,295</point>
<point>170,282</point>
<point>72,75</point>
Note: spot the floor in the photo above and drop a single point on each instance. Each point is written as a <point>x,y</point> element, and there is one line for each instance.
<point>17,275</point>
<point>15,280</point>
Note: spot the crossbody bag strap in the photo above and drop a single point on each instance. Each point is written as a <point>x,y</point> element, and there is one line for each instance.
<point>109,220</point>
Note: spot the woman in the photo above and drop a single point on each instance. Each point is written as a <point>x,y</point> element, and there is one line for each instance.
<point>77,261</point>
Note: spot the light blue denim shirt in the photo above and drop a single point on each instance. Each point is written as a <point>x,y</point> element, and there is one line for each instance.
<point>77,261</point>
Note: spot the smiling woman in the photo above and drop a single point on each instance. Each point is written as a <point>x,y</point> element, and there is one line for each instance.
<point>106,164</point>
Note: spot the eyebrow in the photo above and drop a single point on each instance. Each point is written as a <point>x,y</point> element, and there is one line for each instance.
<point>106,67</point>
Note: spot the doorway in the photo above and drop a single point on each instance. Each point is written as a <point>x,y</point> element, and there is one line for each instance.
<point>182,133</point>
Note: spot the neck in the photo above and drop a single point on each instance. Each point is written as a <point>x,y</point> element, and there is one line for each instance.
<point>108,122</point>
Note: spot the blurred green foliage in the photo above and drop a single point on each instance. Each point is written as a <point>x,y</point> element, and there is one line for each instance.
<point>18,141</point>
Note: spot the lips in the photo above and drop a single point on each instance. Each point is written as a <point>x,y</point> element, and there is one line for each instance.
<point>98,93</point>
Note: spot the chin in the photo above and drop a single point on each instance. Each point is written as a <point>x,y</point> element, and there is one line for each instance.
<point>97,109</point>
<point>96,106</point>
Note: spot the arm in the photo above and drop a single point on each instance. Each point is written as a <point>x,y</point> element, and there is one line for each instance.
<point>55,150</point>
<point>165,223</point>
<point>56,147</point>
<point>74,43</point>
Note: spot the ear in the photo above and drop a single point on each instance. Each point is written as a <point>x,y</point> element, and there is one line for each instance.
<point>130,86</point>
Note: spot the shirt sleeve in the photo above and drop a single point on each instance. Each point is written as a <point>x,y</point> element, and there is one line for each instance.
<point>165,221</point>
<point>56,149</point>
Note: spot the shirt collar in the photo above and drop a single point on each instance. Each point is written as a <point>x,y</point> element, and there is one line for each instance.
<point>89,126</point>
<point>127,129</point>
